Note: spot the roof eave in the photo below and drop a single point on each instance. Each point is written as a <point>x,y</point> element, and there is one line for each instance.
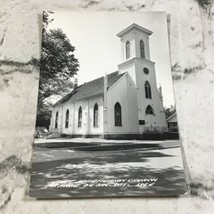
<point>134,26</point>
<point>79,98</point>
<point>117,81</point>
<point>170,117</point>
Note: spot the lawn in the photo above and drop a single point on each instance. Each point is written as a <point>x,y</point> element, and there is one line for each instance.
<point>71,169</point>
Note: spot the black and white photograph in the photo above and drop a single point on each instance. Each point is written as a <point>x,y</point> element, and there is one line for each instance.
<point>106,121</point>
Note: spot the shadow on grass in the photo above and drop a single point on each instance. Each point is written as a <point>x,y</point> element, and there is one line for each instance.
<point>114,147</point>
<point>63,144</point>
<point>117,165</point>
<point>97,146</point>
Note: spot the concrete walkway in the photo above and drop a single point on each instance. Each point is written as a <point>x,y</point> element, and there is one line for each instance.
<point>100,140</point>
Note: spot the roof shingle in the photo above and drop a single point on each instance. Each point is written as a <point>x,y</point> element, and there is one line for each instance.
<point>89,89</point>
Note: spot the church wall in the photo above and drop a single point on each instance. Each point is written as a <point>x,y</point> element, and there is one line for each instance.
<point>53,119</point>
<point>67,106</point>
<point>87,117</point>
<point>142,100</point>
<point>145,39</point>
<point>133,119</point>
<point>99,129</point>
<point>75,128</point>
<point>130,38</point>
<point>119,93</point>
<point>150,120</point>
<point>130,68</point>
<point>61,109</point>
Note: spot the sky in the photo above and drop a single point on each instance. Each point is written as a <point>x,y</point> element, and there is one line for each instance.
<point>98,49</point>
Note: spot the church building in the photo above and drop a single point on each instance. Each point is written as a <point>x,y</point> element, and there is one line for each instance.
<point>125,104</point>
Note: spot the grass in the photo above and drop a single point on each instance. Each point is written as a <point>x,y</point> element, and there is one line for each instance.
<point>111,164</point>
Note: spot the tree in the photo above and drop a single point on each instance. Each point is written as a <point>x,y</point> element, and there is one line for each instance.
<point>57,67</point>
<point>169,111</point>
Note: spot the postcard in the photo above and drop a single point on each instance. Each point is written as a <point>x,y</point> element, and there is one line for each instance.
<point>106,119</point>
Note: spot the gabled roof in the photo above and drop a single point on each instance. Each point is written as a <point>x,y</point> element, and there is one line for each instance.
<point>170,117</point>
<point>90,89</point>
<point>132,27</point>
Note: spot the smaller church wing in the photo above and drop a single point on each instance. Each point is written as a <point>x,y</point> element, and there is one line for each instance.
<point>172,118</point>
<point>90,89</point>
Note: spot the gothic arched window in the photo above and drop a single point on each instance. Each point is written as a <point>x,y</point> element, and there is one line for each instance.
<point>148,92</point>
<point>56,120</point>
<point>127,50</point>
<point>96,115</point>
<point>117,114</point>
<point>67,119</point>
<point>142,49</point>
<point>80,117</point>
<point>149,110</point>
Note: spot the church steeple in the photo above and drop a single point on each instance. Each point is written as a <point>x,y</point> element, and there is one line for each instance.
<point>135,42</point>
<point>137,64</point>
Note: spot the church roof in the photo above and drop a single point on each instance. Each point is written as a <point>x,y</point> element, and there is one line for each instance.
<point>171,117</point>
<point>89,89</point>
<point>133,27</point>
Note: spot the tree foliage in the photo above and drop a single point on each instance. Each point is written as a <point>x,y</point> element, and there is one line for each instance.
<point>58,64</point>
<point>57,67</point>
<point>169,111</point>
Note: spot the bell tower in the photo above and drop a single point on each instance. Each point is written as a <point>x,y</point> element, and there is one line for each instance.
<point>134,47</point>
<point>137,63</point>
<point>135,42</point>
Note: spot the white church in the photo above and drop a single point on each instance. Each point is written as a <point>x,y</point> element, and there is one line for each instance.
<point>125,104</point>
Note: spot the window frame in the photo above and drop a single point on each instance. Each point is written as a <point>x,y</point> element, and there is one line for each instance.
<point>80,117</point>
<point>95,115</point>
<point>67,118</point>
<point>117,114</point>
<point>146,70</point>
<point>150,110</point>
<point>142,49</point>
<point>56,119</point>
<point>148,91</point>
<point>128,49</point>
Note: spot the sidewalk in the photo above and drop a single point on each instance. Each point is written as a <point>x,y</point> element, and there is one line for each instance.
<point>100,140</point>
<point>96,144</point>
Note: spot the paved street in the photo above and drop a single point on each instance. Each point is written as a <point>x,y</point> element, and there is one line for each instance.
<point>66,168</point>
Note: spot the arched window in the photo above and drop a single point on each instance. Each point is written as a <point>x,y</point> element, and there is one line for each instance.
<point>56,120</point>
<point>142,49</point>
<point>96,115</point>
<point>127,50</point>
<point>149,110</point>
<point>148,92</point>
<point>117,114</point>
<point>67,119</point>
<point>80,117</point>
